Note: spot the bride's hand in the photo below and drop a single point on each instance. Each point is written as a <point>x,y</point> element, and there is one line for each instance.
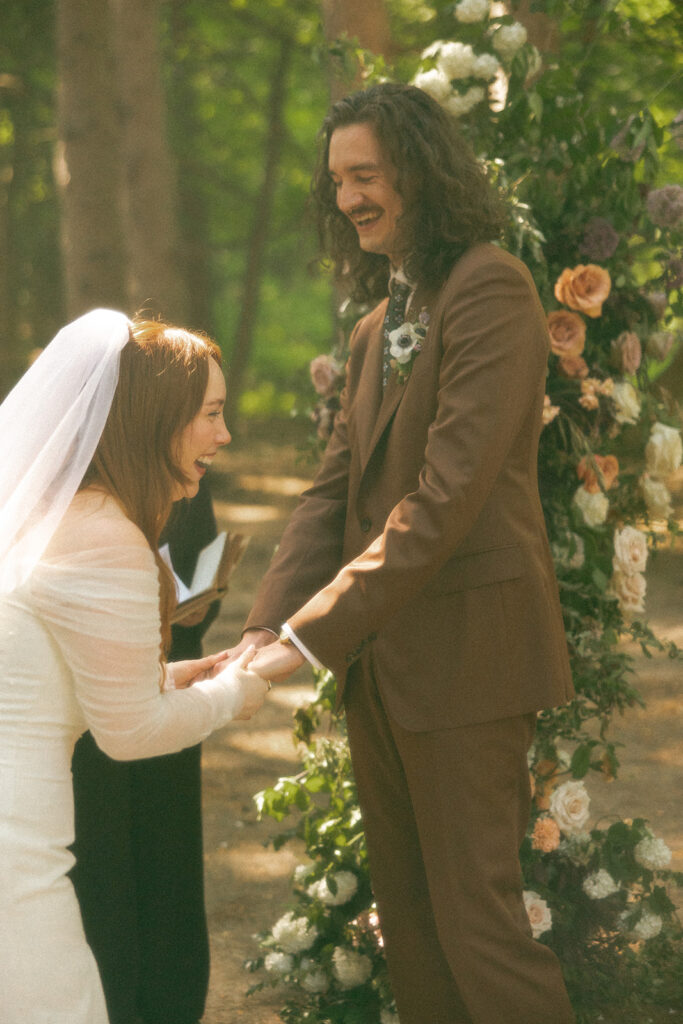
<point>250,686</point>
<point>181,674</point>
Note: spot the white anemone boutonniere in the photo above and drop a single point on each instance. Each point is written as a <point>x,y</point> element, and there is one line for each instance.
<point>405,344</point>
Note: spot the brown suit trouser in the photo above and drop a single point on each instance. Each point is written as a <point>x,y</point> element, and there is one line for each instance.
<point>445,813</point>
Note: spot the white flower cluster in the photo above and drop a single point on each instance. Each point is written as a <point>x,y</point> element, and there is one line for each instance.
<point>455,62</point>
<point>314,979</point>
<point>652,853</point>
<point>570,553</point>
<point>294,934</point>
<point>538,913</point>
<point>468,11</point>
<point>599,884</point>
<point>663,455</point>
<point>388,1017</point>
<point>569,806</point>
<point>646,927</point>
<point>509,39</point>
<point>593,506</point>
<point>346,885</point>
<point>279,963</point>
<point>578,848</point>
<point>629,560</point>
<point>350,968</point>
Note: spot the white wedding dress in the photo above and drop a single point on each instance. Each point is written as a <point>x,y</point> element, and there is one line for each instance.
<point>79,648</point>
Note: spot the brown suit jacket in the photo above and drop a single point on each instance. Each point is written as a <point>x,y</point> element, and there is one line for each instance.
<point>421,543</point>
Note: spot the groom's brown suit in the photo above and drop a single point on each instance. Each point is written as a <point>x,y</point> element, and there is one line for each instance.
<point>418,570</point>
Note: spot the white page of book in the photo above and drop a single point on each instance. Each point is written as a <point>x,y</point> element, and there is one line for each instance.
<point>207,564</point>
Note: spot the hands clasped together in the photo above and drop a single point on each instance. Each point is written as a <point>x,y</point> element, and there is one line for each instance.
<point>246,671</point>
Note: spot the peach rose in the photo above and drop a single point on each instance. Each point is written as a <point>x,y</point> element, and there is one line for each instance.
<point>550,411</point>
<point>546,835</point>
<point>574,367</point>
<point>596,471</point>
<point>584,288</point>
<point>326,375</point>
<point>567,333</point>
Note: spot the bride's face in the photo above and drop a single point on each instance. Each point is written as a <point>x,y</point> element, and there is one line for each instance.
<point>199,441</point>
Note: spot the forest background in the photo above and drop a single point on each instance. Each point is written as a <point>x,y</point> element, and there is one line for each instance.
<point>156,154</point>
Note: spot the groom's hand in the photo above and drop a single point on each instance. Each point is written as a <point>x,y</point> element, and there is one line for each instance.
<point>252,638</point>
<point>277,661</point>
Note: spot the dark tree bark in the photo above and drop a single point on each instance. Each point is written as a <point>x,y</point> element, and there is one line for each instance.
<point>253,274</point>
<point>88,158</point>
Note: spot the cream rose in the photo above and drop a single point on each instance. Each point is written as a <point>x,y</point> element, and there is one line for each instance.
<point>663,451</point>
<point>629,589</point>
<point>657,497</point>
<point>569,806</point>
<point>630,550</point>
<point>626,402</point>
<point>326,374</point>
<point>585,288</point>
<point>538,912</point>
<point>567,334</point>
<point>594,507</point>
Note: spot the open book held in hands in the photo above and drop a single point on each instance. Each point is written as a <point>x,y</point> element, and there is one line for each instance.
<point>210,580</point>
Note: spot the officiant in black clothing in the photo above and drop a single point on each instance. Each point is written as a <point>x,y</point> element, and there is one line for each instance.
<point>139,872</point>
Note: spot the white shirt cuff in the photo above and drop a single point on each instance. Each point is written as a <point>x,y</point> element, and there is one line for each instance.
<point>288,631</point>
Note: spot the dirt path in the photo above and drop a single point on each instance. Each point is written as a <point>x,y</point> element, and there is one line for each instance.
<point>247,883</point>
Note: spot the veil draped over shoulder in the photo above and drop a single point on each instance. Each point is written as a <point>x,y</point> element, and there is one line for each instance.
<point>50,424</point>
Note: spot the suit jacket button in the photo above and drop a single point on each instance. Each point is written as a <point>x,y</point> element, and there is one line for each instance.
<point>365,524</point>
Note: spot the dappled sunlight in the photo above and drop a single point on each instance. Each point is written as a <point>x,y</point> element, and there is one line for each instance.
<point>292,696</point>
<point>270,744</point>
<point>286,486</point>
<point>249,861</point>
<point>244,514</point>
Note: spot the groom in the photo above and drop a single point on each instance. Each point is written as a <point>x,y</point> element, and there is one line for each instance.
<point>417,567</point>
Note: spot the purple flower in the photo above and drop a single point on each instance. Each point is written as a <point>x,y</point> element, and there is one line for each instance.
<point>600,240</point>
<point>665,206</point>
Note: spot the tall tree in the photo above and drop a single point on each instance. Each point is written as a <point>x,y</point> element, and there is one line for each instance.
<point>88,157</point>
<point>149,199</point>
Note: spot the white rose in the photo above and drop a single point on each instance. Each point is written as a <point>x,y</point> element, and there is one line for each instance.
<point>279,963</point>
<point>599,884</point>
<point>652,853</point>
<point>294,934</point>
<point>630,550</point>
<point>301,873</point>
<point>403,342</point>
<point>594,507</point>
<point>538,913</point>
<point>350,968</point>
<point>314,978</point>
<point>626,401</point>
<point>462,104</point>
<point>657,497</point>
<point>509,38</point>
<point>648,926</point>
<point>346,886</point>
<point>664,451</point>
<point>456,60</point>
<point>468,11</point>
<point>387,1017</point>
<point>486,66</point>
<point>629,590</point>
<point>569,806</point>
<point>434,83</point>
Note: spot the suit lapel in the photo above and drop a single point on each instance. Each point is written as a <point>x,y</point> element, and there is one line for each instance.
<point>378,406</point>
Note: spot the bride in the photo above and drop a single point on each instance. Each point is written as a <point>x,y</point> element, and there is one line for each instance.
<point>112,423</point>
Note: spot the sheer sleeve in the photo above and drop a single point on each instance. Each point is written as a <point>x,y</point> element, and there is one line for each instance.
<point>101,605</point>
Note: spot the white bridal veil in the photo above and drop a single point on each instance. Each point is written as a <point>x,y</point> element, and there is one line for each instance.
<point>50,424</point>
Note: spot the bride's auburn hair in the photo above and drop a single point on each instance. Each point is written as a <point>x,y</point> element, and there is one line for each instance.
<point>163,376</point>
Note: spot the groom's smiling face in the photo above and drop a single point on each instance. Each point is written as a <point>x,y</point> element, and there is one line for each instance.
<point>365,183</point>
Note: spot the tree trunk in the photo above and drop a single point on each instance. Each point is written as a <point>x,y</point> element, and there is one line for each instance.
<point>87,158</point>
<point>242,348</point>
<point>153,280</point>
<point>364,20</point>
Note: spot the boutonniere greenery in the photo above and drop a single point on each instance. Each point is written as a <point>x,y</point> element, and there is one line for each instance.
<point>405,344</point>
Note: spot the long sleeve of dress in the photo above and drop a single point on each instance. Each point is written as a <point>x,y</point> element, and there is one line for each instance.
<point>100,604</point>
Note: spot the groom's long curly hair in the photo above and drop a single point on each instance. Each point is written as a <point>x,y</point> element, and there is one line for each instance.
<point>448,201</point>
